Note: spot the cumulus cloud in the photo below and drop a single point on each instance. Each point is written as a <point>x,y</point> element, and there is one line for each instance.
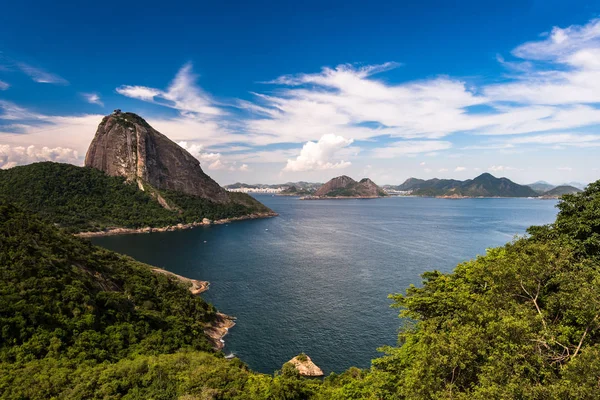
<point>320,155</point>
<point>4,85</point>
<point>211,160</point>
<point>459,169</point>
<point>93,98</point>
<point>41,76</point>
<point>11,156</point>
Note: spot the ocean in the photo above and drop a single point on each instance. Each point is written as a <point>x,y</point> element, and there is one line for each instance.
<point>316,278</point>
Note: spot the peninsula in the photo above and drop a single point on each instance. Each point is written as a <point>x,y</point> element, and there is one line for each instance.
<point>135,180</point>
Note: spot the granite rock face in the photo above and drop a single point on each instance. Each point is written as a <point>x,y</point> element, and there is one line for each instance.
<point>126,145</point>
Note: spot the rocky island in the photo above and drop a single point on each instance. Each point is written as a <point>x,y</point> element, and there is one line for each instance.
<point>344,187</point>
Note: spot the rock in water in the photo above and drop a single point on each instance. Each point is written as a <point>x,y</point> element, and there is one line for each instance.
<point>305,366</point>
<point>126,145</point>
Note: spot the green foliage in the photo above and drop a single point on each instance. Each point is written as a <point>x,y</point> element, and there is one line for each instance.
<point>63,297</point>
<point>521,322</point>
<point>302,357</point>
<point>86,199</point>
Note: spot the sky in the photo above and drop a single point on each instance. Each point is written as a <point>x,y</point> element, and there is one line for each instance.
<point>278,91</point>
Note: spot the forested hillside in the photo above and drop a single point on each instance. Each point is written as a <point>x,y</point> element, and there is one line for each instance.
<point>521,322</point>
<point>86,199</point>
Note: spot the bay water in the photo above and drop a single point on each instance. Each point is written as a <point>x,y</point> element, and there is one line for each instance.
<point>316,278</point>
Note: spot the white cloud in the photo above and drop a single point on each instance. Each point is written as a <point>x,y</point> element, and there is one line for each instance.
<point>183,94</point>
<point>244,168</point>
<point>422,163</point>
<point>565,169</point>
<point>319,155</point>
<point>211,160</point>
<point>459,169</point>
<point>41,76</point>
<point>404,148</point>
<point>11,156</point>
<point>92,98</point>
<point>4,85</point>
<point>443,170</point>
<point>500,168</point>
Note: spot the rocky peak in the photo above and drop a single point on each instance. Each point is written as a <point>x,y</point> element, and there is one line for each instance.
<point>126,145</point>
<point>340,182</point>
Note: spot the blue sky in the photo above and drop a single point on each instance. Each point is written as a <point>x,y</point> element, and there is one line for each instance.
<point>280,91</point>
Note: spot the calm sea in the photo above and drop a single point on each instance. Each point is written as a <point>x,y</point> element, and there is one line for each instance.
<point>316,278</point>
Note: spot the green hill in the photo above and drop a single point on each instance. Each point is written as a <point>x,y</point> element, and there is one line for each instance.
<point>561,190</point>
<point>86,199</point>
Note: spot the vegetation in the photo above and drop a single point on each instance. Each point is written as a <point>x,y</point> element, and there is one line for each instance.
<point>485,185</point>
<point>522,322</point>
<point>85,199</point>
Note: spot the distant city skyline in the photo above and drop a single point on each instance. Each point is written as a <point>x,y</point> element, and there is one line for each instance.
<point>305,92</point>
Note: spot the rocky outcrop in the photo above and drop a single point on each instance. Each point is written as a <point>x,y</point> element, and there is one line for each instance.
<point>217,330</point>
<point>305,366</point>
<point>126,145</point>
<point>346,187</point>
<point>195,286</point>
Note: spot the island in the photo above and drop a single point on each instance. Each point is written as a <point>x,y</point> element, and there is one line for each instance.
<point>344,187</point>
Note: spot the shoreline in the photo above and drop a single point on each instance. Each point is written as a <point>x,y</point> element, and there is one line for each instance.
<point>171,228</point>
<point>218,328</point>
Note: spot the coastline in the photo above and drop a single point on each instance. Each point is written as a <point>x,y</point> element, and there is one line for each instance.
<point>148,229</point>
<point>218,328</point>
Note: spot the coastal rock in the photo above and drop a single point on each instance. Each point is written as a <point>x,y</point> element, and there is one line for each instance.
<point>126,145</point>
<point>195,286</point>
<point>206,221</point>
<point>217,330</point>
<point>305,366</point>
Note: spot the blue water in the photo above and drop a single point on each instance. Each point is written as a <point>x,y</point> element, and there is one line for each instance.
<point>316,278</point>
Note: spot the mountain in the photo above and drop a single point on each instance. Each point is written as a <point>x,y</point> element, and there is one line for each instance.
<point>135,177</point>
<point>126,145</point>
<point>561,190</point>
<point>578,185</point>
<point>541,186</point>
<point>485,185</point>
<point>344,186</point>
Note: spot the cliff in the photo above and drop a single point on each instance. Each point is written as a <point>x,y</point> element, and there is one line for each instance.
<point>126,145</point>
<point>344,186</point>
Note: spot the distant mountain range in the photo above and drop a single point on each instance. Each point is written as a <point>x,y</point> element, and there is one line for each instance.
<point>485,185</point>
<point>542,187</point>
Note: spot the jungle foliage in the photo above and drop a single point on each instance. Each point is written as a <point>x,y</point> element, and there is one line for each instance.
<point>521,322</point>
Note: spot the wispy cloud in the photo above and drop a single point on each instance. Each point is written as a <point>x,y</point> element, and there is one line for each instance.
<point>182,94</point>
<point>4,85</point>
<point>404,148</point>
<point>93,98</point>
<point>41,76</point>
